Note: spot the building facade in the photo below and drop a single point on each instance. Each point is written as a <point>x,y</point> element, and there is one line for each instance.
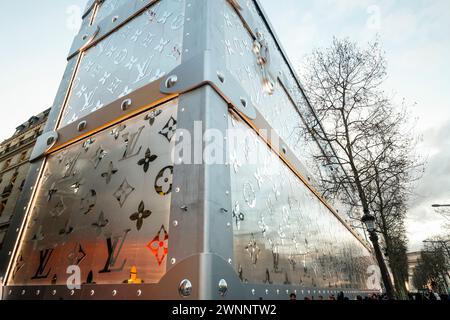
<point>14,166</point>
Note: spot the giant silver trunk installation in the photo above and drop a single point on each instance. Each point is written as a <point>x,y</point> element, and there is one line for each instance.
<point>111,196</point>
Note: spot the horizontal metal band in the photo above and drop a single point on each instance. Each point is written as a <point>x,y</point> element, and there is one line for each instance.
<point>124,108</point>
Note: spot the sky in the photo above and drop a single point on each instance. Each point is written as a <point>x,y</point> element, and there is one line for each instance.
<point>415,35</point>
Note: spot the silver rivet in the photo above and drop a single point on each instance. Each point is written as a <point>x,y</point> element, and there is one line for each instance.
<point>175,223</point>
<point>38,292</point>
<point>50,140</point>
<point>227,192</point>
<point>171,81</point>
<point>92,292</point>
<point>228,224</point>
<point>17,230</point>
<point>284,149</point>
<point>10,292</point>
<point>125,104</point>
<point>177,189</point>
<point>85,37</point>
<point>23,292</point>
<point>115,18</point>
<point>185,288</point>
<point>223,287</point>
<point>184,208</point>
<point>9,253</point>
<point>287,291</point>
<point>244,102</point>
<point>114,293</point>
<point>220,76</point>
<point>54,292</point>
<point>230,261</point>
<point>139,293</point>
<point>82,125</point>
<point>173,261</point>
<point>72,292</point>
<point>267,291</point>
<point>253,291</point>
<point>278,291</point>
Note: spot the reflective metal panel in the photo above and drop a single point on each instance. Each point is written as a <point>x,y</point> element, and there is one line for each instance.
<point>261,80</point>
<point>138,53</point>
<point>103,205</point>
<point>108,7</point>
<point>283,234</point>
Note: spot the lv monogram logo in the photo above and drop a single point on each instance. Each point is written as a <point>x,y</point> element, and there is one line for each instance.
<point>44,258</point>
<point>131,141</point>
<point>114,249</point>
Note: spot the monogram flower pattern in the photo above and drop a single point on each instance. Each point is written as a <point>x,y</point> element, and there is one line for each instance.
<point>149,158</point>
<point>163,183</point>
<point>140,215</point>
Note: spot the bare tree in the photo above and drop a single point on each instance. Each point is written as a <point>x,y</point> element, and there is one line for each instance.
<point>434,265</point>
<point>370,149</point>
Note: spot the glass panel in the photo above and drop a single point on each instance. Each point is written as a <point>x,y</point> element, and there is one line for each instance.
<point>283,234</point>
<point>103,204</point>
<point>140,52</point>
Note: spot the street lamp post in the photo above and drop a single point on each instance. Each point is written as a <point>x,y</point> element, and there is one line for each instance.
<point>369,221</point>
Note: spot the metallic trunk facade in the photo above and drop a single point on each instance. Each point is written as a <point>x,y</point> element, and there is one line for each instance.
<point>109,192</point>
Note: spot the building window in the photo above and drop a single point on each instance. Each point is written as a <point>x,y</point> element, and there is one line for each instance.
<point>2,237</point>
<point>23,156</point>
<point>14,178</point>
<point>21,185</point>
<point>7,164</point>
<point>3,205</point>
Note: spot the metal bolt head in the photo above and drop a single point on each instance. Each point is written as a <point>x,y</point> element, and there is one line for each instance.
<point>171,81</point>
<point>185,288</point>
<point>220,76</point>
<point>50,141</point>
<point>125,104</point>
<point>244,102</point>
<point>223,287</point>
<point>82,125</point>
